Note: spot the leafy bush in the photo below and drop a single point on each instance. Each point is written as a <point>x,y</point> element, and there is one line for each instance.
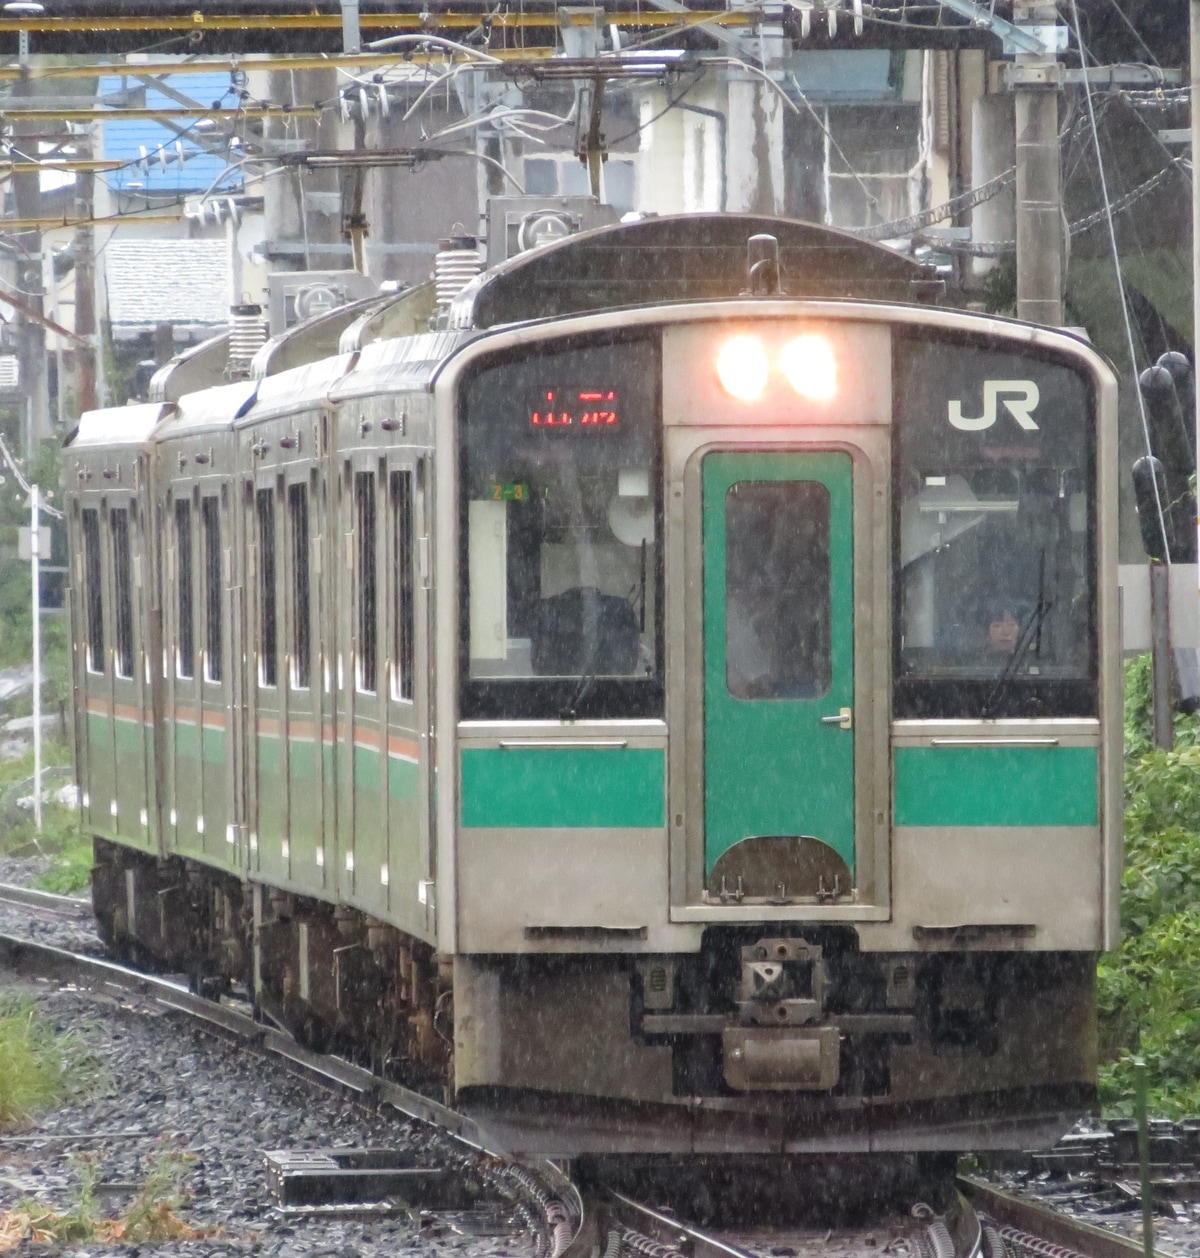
<point>1149,988</point>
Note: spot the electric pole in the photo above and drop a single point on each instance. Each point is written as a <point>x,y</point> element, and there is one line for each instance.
<point>1035,80</point>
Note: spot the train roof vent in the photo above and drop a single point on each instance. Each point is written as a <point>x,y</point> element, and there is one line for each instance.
<point>681,258</point>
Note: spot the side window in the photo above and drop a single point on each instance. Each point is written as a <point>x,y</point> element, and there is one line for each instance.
<point>210,522</point>
<point>402,541</point>
<point>185,647</point>
<point>123,585</point>
<point>93,591</point>
<point>301,626</point>
<point>364,514</point>
<point>267,658</point>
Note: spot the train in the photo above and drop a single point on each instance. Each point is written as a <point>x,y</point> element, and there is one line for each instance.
<point>663,696</point>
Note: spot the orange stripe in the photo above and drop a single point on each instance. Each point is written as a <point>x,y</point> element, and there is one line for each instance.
<point>406,748</point>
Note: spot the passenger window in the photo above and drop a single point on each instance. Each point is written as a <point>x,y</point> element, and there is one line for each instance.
<point>301,629</point>
<point>93,591</point>
<point>777,590</point>
<point>210,515</point>
<point>185,653</point>
<point>402,540</point>
<point>267,661</point>
<point>364,512</point>
<point>119,524</point>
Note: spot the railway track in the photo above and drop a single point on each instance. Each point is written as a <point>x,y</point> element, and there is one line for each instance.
<point>46,903</point>
<point>565,1221</point>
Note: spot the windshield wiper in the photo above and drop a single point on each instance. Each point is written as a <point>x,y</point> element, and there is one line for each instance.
<point>1031,634</point>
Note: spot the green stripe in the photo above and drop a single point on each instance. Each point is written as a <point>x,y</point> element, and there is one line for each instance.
<point>366,769</point>
<point>270,756</point>
<point>569,786</point>
<point>996,786</point>
<point>402,778</point>
<point>213,743</point>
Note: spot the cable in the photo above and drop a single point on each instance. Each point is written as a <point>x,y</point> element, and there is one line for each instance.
<point>1116,256</point>
<point>395,41</point>
<point>871,199</point>
<point>915,222</point>
<point>25,485</point>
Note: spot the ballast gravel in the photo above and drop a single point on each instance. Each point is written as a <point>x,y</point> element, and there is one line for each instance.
<point>168,1086</point>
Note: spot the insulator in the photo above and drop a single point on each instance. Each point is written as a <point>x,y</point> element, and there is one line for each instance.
<point>455,265</point>
<point>247,335</point>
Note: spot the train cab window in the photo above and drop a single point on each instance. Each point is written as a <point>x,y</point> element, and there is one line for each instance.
<point>561,519</point>
<point>210,519</point>
<point>93,591</point>
<point>301,625</point>
<point>123,588</point>
<point>268,659</point>
<point>778,590</point>
<point>402,545</point>
<point>185,646</point>
<point>995,591</point>
<point>367,606</point>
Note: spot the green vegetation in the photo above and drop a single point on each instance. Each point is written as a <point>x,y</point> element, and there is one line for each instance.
<point>1149,988</point>
<point>38,1067</point>
<point>151,1216</point>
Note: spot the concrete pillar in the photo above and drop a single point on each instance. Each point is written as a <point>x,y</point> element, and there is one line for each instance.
<point>755,140</point>
<point>1039,181</point>
<point>993,151</point>
<point>303,209</point>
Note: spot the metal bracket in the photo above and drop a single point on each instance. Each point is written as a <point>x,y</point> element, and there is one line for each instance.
<point>1039,40</point>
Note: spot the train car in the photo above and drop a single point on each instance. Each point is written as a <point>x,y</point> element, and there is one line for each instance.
<point>671,705</point>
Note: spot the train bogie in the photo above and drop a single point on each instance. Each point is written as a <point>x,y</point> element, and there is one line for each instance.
<point>697,721</point>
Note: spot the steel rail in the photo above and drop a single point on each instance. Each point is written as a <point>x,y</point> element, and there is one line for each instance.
<point>327,21</point>
<point>63,905</point>
<point>1041,1221</point>
<point>36,960</point>
<point>666,1230</point>
<point>578,1231</point>
<point>102,113</point>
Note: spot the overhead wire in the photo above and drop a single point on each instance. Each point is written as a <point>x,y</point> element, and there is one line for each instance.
<point>1116,257</point>
<point>25,485</point>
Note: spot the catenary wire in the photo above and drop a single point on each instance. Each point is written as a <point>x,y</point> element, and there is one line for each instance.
<point>1116,257</point>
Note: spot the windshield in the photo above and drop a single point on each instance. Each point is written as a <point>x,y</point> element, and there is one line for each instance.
<point>995,598</point>
<point>561,519</point>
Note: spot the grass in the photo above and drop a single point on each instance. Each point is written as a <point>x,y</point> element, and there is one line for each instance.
<point>152,1216</point>
<point>60,838</point>
<point>39,1067</point>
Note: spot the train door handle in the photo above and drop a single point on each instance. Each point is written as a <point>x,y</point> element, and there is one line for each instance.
<point>843,720</point>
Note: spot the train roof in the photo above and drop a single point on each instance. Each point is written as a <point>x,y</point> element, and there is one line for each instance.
<point>680,258</point>
<point>118,425</point>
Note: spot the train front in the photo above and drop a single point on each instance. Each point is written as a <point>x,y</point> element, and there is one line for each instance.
<point>778,716</point>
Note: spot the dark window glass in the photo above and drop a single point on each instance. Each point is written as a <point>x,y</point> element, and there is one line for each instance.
<point>402,525</point>
<point>267,645</point>
<point>561,522</point>
<point>210,513</point>
<point>364,510</point>
<point>123,585</point>
<point>777,590</point>
<point>301,627</point>
<point>185,657</point>
<point>93,591</point>
<point>995,586</point>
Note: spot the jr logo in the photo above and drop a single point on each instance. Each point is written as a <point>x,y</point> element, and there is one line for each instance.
<point>1020,397</point>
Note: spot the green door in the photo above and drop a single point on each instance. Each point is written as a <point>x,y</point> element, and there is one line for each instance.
<point>778,608</point>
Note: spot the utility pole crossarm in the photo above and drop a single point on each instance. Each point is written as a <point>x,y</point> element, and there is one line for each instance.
<point>1037,39</point>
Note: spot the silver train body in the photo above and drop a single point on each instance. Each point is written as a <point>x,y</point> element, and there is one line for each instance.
<point>667,718</point>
